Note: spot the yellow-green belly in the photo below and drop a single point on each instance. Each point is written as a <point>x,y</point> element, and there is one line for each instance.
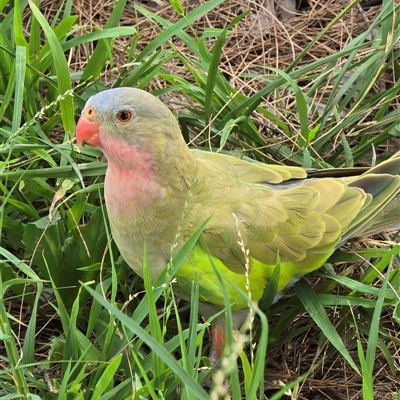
<point>201,266</point>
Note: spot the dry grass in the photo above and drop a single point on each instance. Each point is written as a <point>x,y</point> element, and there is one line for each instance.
<point>334,379</point>
<point>249,50</point>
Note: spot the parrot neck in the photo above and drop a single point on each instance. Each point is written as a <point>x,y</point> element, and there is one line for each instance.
<point>137,178</point>
<point>122,156</point>
<point>131,182</point>
<point>146,191</point>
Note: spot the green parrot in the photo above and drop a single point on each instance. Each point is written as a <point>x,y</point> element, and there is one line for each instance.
<point>155,187</point>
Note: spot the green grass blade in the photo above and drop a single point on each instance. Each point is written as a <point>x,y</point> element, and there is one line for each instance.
<point>102,53</point>
<point>373,342</point>
<point>175,28</point>
<point>134,327</point>
<point>212,77</point>
<point>20,68</point>
<point>106,377</point>
<point>154,323</point>
<point>318,314</point>
<point>62,72</point>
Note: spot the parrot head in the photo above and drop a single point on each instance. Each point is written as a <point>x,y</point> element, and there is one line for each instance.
<point>126,117</point>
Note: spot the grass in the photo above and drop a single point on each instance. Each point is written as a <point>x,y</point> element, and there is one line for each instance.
<point>74,322</point>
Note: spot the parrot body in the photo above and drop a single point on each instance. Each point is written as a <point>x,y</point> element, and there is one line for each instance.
<point>159,192</point>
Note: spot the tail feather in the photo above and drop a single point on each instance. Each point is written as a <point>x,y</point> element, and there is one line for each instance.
<point>390,166</point>
<point>387,219</point>
<point>382,212</point>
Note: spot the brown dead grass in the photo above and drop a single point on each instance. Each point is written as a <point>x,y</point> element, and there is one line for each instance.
<point>334,379</point>
<point>249,50</point>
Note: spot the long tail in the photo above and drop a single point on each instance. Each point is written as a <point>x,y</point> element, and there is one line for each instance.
<point>382,208</point>
<point>386,220</point>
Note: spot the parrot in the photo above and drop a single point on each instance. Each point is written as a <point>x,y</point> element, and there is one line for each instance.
<point>254,213</point>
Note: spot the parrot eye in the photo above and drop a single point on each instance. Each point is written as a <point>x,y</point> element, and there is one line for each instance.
<point>124,116</point>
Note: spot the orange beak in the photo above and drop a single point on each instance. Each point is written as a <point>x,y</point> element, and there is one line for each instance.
<point>87,131</point>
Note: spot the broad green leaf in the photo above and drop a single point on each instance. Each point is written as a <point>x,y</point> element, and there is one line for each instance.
<point>42,240</point>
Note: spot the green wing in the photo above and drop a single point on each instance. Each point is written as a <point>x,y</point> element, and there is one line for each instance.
<point>246,171</point>
<point>271,210</point>
<point>260,212</point>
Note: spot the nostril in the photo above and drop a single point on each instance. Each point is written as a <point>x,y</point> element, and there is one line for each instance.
<point>90,113</point>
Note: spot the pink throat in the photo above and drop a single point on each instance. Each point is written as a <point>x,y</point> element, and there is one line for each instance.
<point>131,181</point>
